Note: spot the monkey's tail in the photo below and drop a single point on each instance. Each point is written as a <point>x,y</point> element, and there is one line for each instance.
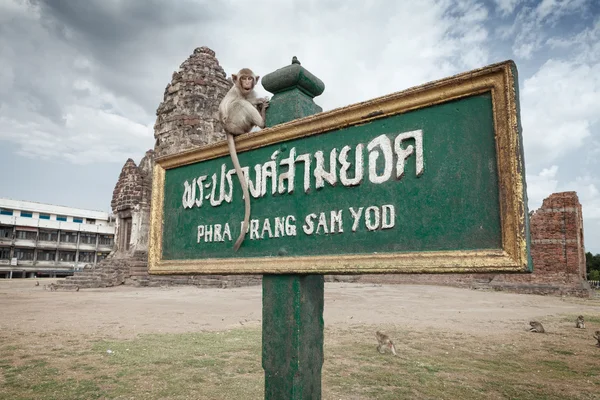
<point>240,174</point>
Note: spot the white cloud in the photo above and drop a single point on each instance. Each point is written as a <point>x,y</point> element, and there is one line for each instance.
<point>552,10</point>
<point>559,106</point>
<point>535,23</point>
<point>506,7</point>
<point>541,186</point>
<point>70,85</point>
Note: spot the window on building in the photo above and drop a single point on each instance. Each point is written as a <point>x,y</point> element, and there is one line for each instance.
<point>6,232</point>
<point>26,214</point>
<point>66,256</point>
<point>4,253</point>
<point>87,238</point>
<point>106,240</point>
<point>5,211</point>
<point>86,256</point>
<point>26,235</point>
<point>68,237</point>
<point>101,256</point>
<point>46,255</point>
<point>61,218</point>
<point>24,254</point>
<point>90,221</point>
<point>44,216</point>
<point>78,220</point>
<point>48,236</point>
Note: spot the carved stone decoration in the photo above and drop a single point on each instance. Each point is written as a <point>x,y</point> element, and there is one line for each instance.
<point>188,116</point>
<point>131,206</point>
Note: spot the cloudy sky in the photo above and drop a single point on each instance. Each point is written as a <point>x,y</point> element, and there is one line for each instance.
<point>80,81</point>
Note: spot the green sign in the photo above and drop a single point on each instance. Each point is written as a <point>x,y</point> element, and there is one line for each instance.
<point>426,180</point>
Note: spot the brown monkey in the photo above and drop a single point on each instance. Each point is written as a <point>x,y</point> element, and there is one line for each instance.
<point>580,323</point>
<point>37,283</point>
<point>536,327</point>
<point>239,113</point>
<point>385,343</point>
<point>597,337</point>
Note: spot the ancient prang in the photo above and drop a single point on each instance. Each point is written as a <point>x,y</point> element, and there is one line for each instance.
<point>188,117</point>
<point>131,206</point>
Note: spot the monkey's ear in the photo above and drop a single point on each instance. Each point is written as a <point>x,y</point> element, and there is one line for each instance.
<point>234,77</point>
<point>256,79</point>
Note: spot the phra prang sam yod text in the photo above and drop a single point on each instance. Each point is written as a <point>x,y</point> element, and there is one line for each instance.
<point>339,168</point>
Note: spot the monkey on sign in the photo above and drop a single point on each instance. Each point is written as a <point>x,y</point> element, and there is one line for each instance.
<point>239,113</point>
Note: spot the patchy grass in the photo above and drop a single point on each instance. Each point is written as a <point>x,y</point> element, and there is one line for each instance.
<point>227,365</point>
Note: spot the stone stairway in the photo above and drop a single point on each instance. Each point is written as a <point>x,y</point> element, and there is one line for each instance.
<point>134,271</point>
<point>108,272</point>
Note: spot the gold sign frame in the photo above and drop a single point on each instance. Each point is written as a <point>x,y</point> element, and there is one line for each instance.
<point>498,79</point>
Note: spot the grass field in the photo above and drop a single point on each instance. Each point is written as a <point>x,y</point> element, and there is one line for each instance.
<point>226,365</point>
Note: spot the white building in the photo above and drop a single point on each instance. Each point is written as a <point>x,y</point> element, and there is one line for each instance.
<point>45,240</point>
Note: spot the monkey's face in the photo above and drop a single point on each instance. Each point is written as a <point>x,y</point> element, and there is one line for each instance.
<point>247,82</point>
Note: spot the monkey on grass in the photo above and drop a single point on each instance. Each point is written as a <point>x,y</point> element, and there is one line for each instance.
<point>239,113</point>
<point>580,323</point>
<point>536,327</point>
<point>385,343</point>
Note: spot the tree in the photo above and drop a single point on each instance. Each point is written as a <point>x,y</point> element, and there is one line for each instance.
<point>592,263</point>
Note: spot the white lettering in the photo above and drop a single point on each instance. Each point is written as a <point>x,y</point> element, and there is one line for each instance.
<point>388,216</point>
<point>403,154</point>
<point>372,224</point>
<point>336,218</point>
<point>218,237</point>
<point>322,223</point>
<point>306,159</point>
<point>226,232</point>
<point>269,170</point>
<point>279,226</point>
<point>187,195</point>
<point>309,225</point>
<point>208,233</point>
<point>253,188</point>
<point>290,174</point>
<point>356,216</point>
<point>200,190</point>
<point>290,225</point>
<point>383,142</point>
<point>320,174</point>
<point>266,228</point>
<point>358,166</point>
<point>254,229</point>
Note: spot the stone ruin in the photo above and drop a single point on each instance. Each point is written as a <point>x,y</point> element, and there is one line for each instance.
<point>188,118</point>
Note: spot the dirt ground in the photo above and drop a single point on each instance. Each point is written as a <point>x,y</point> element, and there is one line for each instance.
<point>125,311</point>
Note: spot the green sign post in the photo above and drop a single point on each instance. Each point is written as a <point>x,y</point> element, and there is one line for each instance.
<point>428,180</point>
<point>292,331</point>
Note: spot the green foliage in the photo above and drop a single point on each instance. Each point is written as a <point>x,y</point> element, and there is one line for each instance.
<point>592,263</point>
